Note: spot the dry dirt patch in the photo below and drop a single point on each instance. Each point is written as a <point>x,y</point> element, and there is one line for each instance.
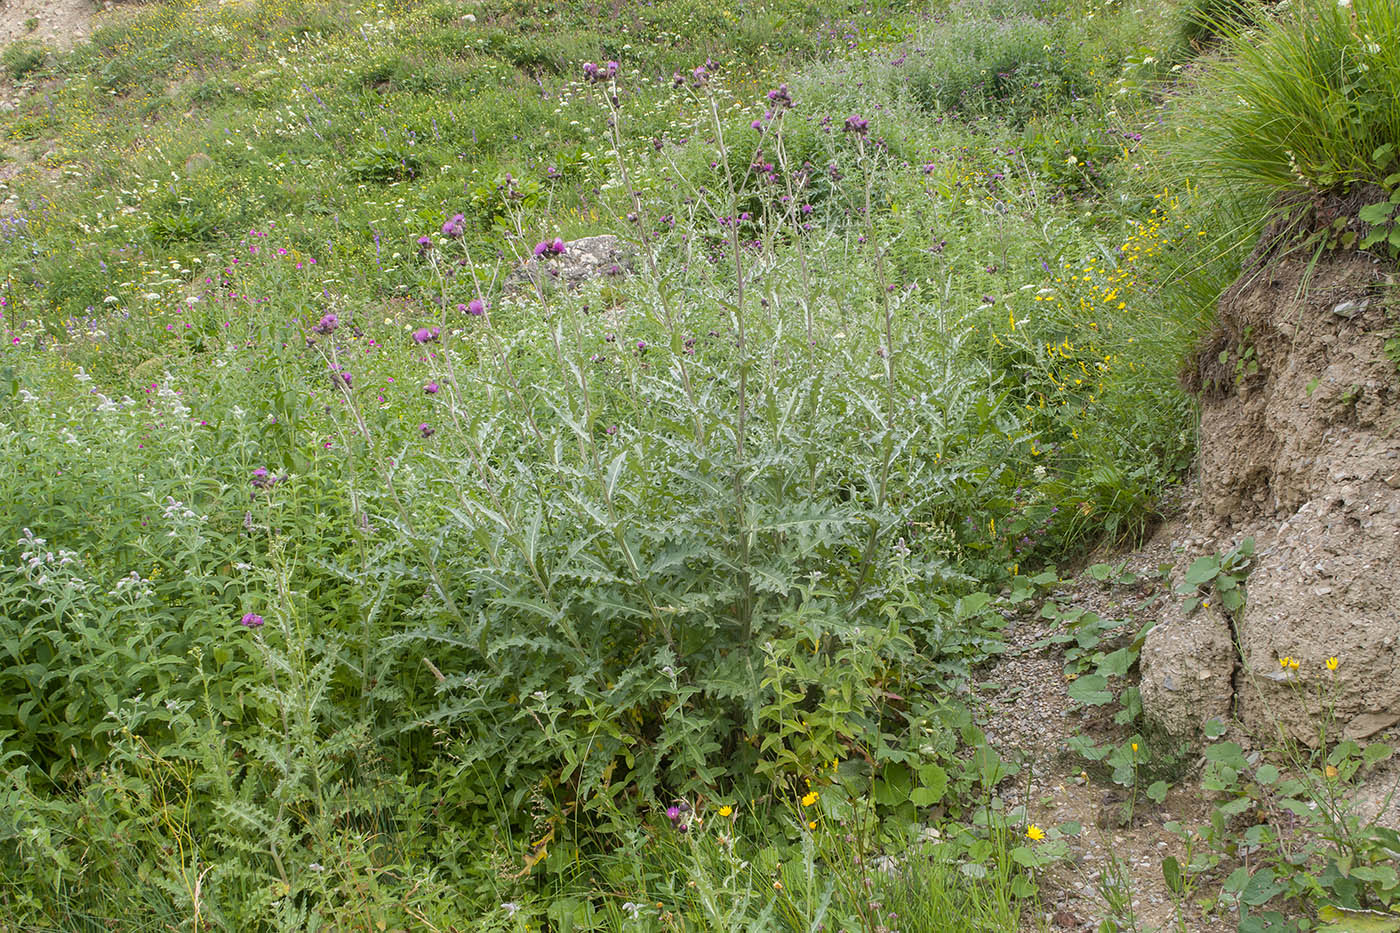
<point>58,23</point>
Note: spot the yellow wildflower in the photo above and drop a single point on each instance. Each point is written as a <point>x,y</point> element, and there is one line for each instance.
<point>810,799</point>
<point>726,810</point>
<point>1332,663</point>
<point>1035,833</point>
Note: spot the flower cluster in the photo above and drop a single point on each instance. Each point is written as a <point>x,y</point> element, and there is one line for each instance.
<point>857,124</point>
<point>676,813</point>
<point>251,620</point>
<point>780,97</point>
<point>699,76</point>
<point>426,334</point>
<point>596,73</point>
<point>262,479</point>
<point>454,227</point>
<point>327,325</point>
<point>545,248</point>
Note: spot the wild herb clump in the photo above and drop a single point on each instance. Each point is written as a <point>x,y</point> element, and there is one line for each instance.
<point>369,569</point>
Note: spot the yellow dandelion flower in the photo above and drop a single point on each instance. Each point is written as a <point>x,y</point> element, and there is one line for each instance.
<point>1332,663</point>
<point>1035,833</point>
<point>810,799</point>
<point>726,810</point>
<point>1292,664</point>
<point>812,824</point>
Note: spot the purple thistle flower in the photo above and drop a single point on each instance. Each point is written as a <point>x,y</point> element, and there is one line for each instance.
<point>546,248</point>
<point>251,620</point>
<point>454,227</point>
<point>327,324</point>
<point>426,429</point>
<point>425,241</point>
<point>476,307</point>
<point>857,124</point>
<point>426,335</point>
<point>673,813</point>
<point>431,388</point>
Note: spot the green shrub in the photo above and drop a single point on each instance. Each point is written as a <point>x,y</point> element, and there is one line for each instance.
<point>1203,23</point>
<point>1011,69</point>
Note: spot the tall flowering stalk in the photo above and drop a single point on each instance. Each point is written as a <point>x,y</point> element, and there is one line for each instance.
<point>858,127</point>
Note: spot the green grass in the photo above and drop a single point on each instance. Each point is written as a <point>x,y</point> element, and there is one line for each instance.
<point>1302,104</point>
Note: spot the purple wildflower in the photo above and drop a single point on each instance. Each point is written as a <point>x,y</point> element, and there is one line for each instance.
<point>426,334</point>
<point>547,248</point>
<point>251,620</point>
<point>425,241</point>
<point>426,429</point>
<point>431,388</point>
<point>454,227</point>
<point>327,324</point>
<point>857,124</point>
<point>476,307</point>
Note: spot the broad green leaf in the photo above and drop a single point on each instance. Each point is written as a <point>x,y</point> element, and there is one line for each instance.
<point>1202,570</point>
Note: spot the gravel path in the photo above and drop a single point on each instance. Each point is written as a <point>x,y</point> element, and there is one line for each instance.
<point>1031,719</point>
